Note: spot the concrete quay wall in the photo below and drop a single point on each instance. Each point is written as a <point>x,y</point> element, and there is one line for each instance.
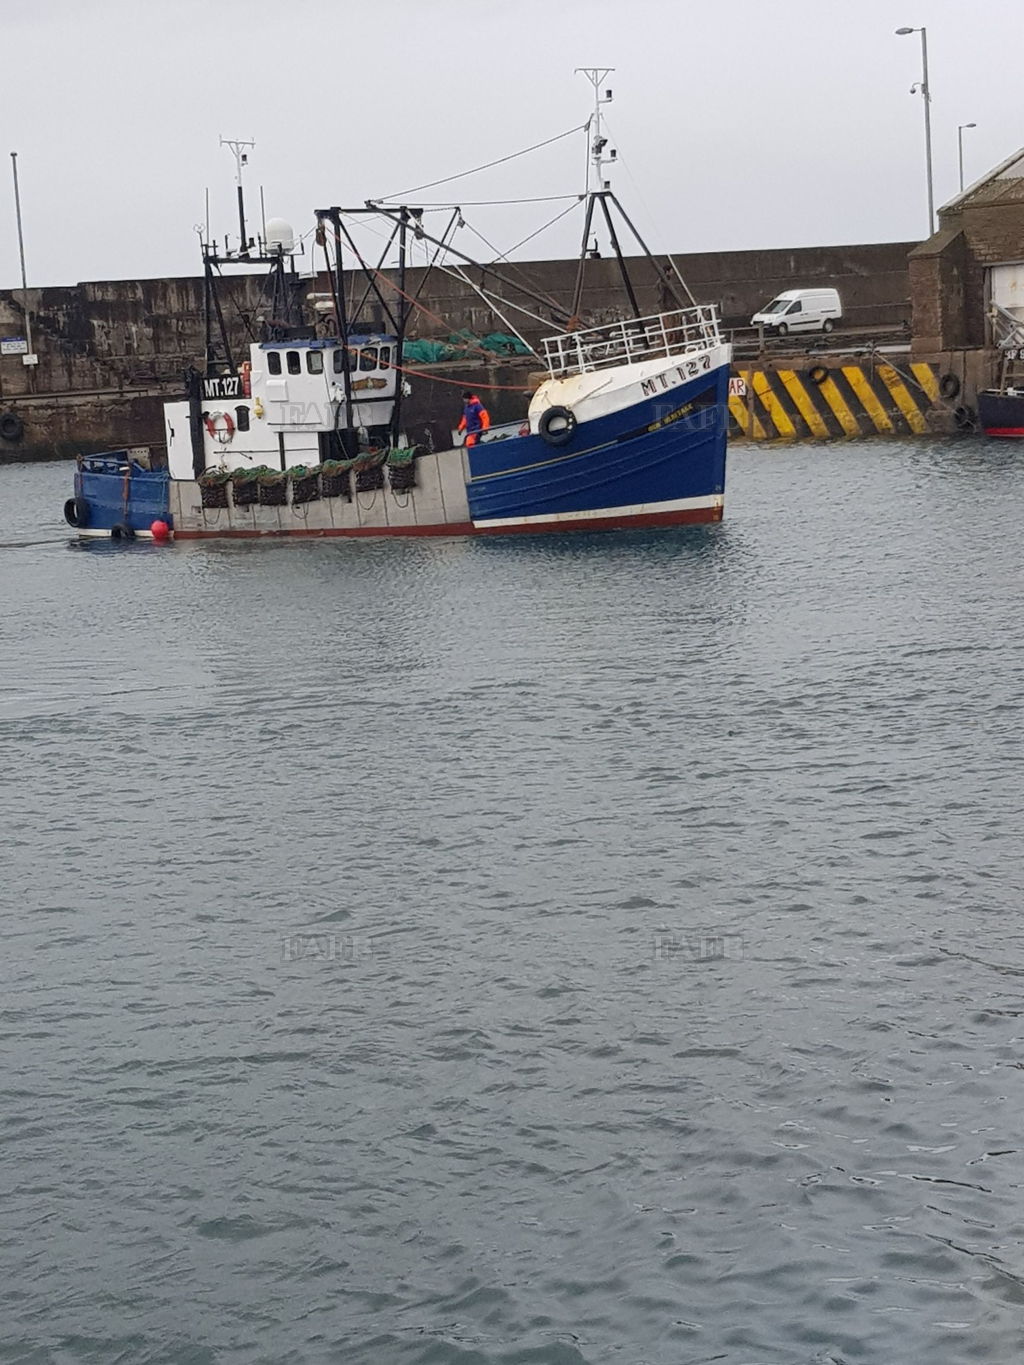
<point>110,350</point>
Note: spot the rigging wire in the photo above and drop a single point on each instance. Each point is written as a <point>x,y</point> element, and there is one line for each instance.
<point>491,305</point>
<point>475,203</point>
<point>545,322</point>
<point>499,256</point>
<point>541,229</point>
<point>445,180</point>
<point>424,309</point>
<point>445,270</point>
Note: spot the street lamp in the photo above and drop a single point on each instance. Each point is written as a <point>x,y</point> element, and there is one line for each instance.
<point>922,85</point>
<point>960,149</point>
<point>29,358</point>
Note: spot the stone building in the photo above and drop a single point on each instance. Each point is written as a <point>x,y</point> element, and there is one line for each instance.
<point>974,260</point>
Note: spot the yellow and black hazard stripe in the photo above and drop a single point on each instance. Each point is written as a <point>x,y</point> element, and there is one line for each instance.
<point>826,402</point>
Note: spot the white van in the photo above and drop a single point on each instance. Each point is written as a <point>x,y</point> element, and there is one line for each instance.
<point>800,310</point>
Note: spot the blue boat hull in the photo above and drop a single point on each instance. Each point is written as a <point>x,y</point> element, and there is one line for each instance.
<point>118,494</point>
<point>662,459</point>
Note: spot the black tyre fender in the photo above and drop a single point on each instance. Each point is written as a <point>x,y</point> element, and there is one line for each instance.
<point>122,531</point>
<point>817,374</point>
<point>557,426</point>
<point>965,418</point>
<point>12,428</point>
<point>76,512</point>
<point>949,386</point>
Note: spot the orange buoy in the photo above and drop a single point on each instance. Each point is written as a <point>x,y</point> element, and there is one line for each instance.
<point>160,530</point>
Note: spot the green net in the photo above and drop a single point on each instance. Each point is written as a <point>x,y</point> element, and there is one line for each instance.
<point>426,352</point>
<point>463,345</point>
<point>503,344</point>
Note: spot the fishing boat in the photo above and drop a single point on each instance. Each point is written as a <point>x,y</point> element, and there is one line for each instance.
<point>1001,409</point>
<point>626,426</point>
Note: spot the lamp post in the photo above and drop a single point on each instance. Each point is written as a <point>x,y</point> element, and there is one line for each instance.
<point>926,95</point>
<point>21,253</point>
<point>960,149</point>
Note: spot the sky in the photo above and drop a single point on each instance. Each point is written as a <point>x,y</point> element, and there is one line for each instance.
<point>739,125</point>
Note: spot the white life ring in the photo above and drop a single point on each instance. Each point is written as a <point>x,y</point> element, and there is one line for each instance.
<point>224,433</point>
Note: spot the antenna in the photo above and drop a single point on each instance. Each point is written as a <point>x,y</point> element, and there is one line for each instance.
<point>596,76</point>
<point>241,159</point>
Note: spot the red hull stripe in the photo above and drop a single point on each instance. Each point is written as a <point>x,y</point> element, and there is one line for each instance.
<point>680,517</point>
<point>1003,431</point>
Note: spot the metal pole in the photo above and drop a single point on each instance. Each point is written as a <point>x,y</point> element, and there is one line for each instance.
<point>21,252</point>
<point>926,92</point>
<point>618,253</point>
<point>960,150</point>
<point>403,313</point>
<point>351,445</point>
<point>241,159</point>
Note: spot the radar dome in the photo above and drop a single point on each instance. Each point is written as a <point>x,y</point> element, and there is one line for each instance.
<point>280,236</point>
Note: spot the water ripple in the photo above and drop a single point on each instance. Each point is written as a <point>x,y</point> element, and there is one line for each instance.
<point>540,952</point>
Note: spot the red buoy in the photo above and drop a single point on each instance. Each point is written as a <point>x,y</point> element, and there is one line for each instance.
<point>160,530</point>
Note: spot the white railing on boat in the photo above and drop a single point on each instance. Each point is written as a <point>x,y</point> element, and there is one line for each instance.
<point>624,343</point>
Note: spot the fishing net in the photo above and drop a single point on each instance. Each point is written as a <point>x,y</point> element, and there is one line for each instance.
<point>305,484</point>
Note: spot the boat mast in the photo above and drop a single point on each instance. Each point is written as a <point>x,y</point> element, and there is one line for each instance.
<point>599,190</point>
<point>241,159</point>
<point>596,75</point>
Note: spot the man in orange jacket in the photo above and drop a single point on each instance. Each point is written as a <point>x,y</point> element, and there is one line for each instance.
<point>475,418</point>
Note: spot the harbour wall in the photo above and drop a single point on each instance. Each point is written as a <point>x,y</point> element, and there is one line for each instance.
<point>110,351</point>
<point>813,397</point>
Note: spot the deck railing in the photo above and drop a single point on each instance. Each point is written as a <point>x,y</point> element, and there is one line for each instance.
<point>636,339</point>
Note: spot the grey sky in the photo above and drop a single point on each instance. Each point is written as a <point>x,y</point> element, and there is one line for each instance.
<point>753,123</point>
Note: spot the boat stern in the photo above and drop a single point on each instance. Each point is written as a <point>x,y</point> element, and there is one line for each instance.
<point>118,495</point>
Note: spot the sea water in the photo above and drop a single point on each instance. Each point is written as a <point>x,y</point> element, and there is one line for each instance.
<point>600,948</point>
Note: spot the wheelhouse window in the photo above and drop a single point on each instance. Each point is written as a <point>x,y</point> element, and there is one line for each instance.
<point>242,419</point>
<point>273,362</point>
<point>368,358</point>
<point>294,362</point>
<point>315,362</point>
<point>339,361</point>
<point>385,357</point>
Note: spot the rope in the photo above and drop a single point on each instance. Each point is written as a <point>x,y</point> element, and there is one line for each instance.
<point>414,189</point>
<point>462,383</point>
